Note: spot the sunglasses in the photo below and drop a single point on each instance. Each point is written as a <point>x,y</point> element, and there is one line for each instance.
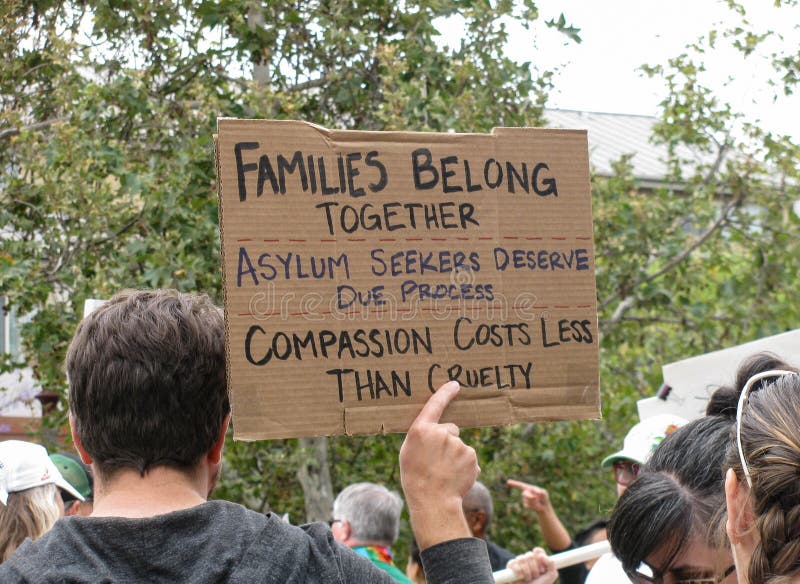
<point>626,472</point>
<point>646,574</point>
<point>742,400</point>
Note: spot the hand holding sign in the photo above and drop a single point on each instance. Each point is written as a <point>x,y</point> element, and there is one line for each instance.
<point>436,470</point>
<point>533,567</point>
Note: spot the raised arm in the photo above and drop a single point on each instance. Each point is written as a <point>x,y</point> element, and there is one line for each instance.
<point>436,470</point>
<point>538,500</point>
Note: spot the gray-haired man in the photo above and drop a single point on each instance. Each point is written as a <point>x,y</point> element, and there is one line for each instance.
<point>479,510</point>
<point>366,518</point>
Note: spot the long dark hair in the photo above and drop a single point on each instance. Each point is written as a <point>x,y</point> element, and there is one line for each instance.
<point>676,496</point>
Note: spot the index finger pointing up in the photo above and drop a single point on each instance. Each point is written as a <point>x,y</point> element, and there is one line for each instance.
<point>434,408</point>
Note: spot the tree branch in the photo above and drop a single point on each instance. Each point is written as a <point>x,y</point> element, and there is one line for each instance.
<point>310,84</point>
<point>713,228</point>
<point>119,231</point>
<point>698,242</point>
<point>721,153</point>
<point>620,311</point>
<point>9,132</point>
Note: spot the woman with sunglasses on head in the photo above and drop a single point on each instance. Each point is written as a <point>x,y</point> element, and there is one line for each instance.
<point>762,483</point>
<point>665,526</point>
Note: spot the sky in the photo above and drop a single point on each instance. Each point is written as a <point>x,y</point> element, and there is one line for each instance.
<point>600,74</point>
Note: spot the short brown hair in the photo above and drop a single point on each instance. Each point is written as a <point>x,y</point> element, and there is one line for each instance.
<point>147,380</point>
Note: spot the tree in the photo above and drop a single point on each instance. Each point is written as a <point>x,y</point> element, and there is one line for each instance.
<point>108,182</point>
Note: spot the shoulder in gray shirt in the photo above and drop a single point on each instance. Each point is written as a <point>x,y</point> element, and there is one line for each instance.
<point>216,542</point>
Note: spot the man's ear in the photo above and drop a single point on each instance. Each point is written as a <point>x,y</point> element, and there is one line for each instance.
<point>740,513</point>
<point>77,441</point>
<point>72,508</point>
<point>347,531</point>
<point>476,521</point>
<point>215,454</point>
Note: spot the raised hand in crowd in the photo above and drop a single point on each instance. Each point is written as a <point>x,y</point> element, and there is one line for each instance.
<point>534,497</point>
<point>538,500</point>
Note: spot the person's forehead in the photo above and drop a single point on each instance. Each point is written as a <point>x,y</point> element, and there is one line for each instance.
<point>626,461</point>
<point>695,556</point>
<point>699,553</point>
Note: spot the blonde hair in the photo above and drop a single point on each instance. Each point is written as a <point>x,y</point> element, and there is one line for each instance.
<point>771,447</point>
<point>28,514</point>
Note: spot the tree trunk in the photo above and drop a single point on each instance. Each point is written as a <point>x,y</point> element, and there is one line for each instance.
<point>255,19</point>
<point>314,475</point>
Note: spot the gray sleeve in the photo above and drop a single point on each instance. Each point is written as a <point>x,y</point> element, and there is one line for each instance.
<point>10,575</point>
<point>463,561</point>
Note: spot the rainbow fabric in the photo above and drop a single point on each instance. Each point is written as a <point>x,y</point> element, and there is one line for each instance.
<point>375,552</point>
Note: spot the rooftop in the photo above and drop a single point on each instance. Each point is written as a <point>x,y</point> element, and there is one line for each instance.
<point>612,136</point>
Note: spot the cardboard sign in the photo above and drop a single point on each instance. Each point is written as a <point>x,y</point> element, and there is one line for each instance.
<point>692,381</point>
<point>364,269</point>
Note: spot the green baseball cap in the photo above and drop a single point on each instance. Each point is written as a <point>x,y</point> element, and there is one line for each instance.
<point>74,473</point>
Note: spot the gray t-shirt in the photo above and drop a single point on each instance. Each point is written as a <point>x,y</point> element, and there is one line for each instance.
<point>216,542</point>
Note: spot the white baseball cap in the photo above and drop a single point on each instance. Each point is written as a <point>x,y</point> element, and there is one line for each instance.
<point>642,438</point>
<point>24,465</point>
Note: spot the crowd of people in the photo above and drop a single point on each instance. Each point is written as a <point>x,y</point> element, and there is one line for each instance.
<point>712,500</point>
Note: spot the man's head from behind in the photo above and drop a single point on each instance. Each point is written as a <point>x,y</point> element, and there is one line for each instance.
<point>478,509</point>
<point>366,514</point>
<point>147,381</point>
